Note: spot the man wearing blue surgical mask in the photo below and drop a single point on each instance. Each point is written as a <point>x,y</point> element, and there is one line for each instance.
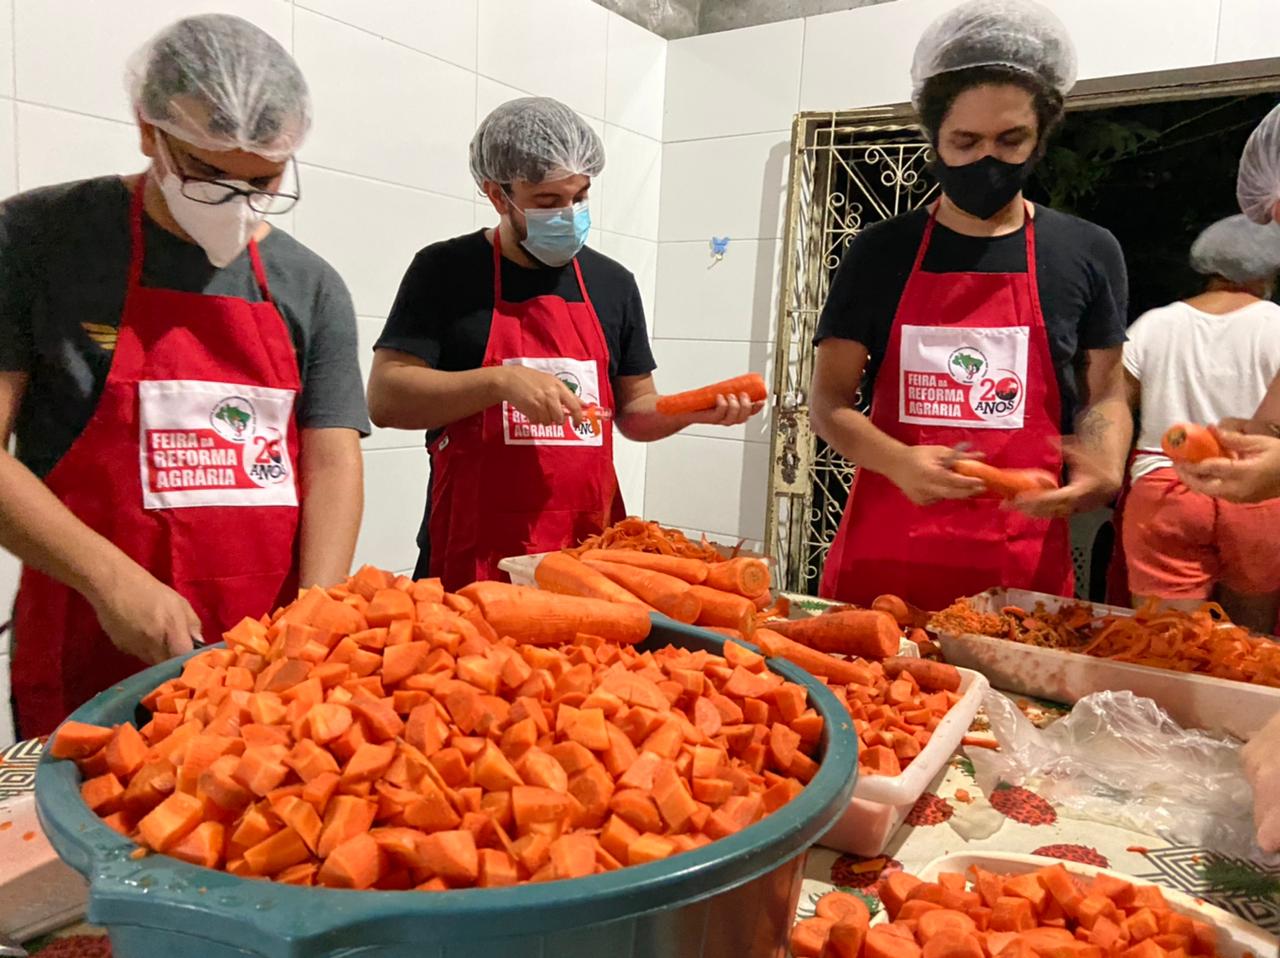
<point>518,349</point>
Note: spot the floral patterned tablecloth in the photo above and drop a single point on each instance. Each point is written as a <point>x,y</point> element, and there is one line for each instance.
<point>953,815</point>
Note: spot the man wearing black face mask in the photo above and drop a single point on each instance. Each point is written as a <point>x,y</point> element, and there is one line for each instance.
<point>984,325</point>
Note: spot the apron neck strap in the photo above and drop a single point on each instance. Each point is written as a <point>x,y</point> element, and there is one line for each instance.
<point>137,247</point>
<point>497,270</point>
<point>1029,233</point>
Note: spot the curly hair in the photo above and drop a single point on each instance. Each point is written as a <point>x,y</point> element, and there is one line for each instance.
<point>940,92</point>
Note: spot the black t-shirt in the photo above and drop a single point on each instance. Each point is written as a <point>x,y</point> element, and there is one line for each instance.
<point>444,308</point>
<point>1080,272</point>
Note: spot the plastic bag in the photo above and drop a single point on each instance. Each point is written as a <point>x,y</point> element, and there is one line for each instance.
<point>1119,759</point>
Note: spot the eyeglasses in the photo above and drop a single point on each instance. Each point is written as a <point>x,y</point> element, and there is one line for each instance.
<point>213,192</point>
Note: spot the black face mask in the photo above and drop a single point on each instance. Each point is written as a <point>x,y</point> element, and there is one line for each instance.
<point>985,187</point>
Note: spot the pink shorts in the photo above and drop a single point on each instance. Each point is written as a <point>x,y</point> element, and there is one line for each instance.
<point>1179,544</point>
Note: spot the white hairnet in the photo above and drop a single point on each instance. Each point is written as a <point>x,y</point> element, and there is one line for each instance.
<point>1258,184</point>
<point>534,139</point>
<point>220,83</point>
<point>1019,34</point>
<point>1237,249</point>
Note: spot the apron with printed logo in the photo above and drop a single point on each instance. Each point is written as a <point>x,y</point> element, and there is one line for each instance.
<point>188,465</point>
<point>967,361</point>
<point>504,486</point>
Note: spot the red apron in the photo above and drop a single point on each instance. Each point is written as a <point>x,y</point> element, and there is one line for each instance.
<point>187,465</point>
<point>503,486</point>
<point>967,361</point>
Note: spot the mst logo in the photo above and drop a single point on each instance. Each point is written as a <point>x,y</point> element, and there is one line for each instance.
<point>588,427</point>
<point>232,418</point>
<point>967,363</point>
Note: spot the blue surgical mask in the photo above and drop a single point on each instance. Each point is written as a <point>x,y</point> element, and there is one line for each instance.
<point>555,236</point>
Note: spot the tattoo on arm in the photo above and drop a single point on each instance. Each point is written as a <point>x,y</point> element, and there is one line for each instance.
<point>1092,427</point>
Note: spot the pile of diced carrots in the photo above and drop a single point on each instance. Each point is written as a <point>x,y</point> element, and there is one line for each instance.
<point>386,735</point>
<point>896,703</point>
<point>1048,913</point>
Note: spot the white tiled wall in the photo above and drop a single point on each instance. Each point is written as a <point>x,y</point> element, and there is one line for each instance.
<point>398,87</point>
<point>730,100</point>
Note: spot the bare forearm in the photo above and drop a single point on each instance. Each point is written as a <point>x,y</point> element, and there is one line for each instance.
<point>37,528</point>
<point>641,421</point>
<point>852,435</point>
<point>415,397</point>
<point>332,505</point>
<point>1105,431</point>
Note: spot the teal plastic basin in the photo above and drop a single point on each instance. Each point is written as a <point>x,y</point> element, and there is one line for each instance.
<point>735,898</point>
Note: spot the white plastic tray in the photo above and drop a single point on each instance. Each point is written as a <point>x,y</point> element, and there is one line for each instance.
<point>1236,937</point>
<point>881,803</point>
<point>1193,701</point>
<point>38,892</point>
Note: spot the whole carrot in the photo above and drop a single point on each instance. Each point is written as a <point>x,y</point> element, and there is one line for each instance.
<point>703,398</point>
<point>1187,442</point>
<point>932,676</point>
<point>811,660</point>
<point>693,571</point>
<point>533,617</point>
<point>904,612</point>
<point>725,609</point>
<point>666,593</point>
<point>744,576</point>
<point>558,572</point>
<point>1006,483</point>
<point>863,632</point>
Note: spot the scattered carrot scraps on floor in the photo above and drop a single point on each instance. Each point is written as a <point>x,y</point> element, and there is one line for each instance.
<point>28,836</point>
<point>963,796</point>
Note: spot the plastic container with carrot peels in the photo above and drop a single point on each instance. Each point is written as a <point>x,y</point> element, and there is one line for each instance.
<point>1192,700</point>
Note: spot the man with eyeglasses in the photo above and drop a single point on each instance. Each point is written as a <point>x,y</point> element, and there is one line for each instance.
<point>181,378</point>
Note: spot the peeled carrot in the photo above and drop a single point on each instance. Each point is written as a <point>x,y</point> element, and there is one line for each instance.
<point>744,576</point>
<point>559,572</point>
<point>1187,442</point>
<point>1006,483</point>
<point>862,632</point>
<point>693,571</point>
<point>934,676</point>
<point>842,906</point>
<point>79,740</point>
<point>666,593</point>
<point>811,660</point>
<point>845,940</point>
<point>725,610</point>
<point>809,935</point>
<point>903,612</point>
<point>541,618</point>
<point>703,398</point>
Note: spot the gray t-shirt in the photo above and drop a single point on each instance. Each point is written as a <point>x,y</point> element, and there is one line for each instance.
<point>64,261</point>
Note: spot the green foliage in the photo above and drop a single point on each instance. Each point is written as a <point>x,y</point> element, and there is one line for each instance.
<point>1084,158</point>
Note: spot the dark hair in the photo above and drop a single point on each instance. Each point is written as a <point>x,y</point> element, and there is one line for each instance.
<point>941,90</point>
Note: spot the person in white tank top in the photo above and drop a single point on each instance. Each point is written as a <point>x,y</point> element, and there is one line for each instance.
<point>1203,360</point>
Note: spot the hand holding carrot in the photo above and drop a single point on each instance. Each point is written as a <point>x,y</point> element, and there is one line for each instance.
<point>1092,484</point>
<point>1253,475</point>
<point>142,616</point>
<point>729,410</point>
<point>541,397</point>
<point>925,476</point>
<point>727,403</point>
